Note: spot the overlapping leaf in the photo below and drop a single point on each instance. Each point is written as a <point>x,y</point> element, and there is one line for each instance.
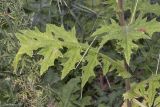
<point>70,41</point>
<point>67,91</point>
<point>49,44</point>
<point>89,69</point>
<point>126,35</point>
<point>110,64</point>
<point>70,63</point>
<point>31,40</point>
<point>69,95</point>
<point>146,89</point>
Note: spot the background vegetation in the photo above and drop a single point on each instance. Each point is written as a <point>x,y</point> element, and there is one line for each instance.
<point>26,88</point>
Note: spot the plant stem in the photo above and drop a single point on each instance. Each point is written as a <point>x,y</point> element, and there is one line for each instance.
<point>134,11</point>
<point>121,13</point>
<point>158,64</point>
<point>86,51</point>
<point>122,23</point>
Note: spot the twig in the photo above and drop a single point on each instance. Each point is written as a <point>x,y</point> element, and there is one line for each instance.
<point>108,82</point>
<point>158,65</point>
<point>134,11</point>
<point>106,78</point>
<point>86,52</point>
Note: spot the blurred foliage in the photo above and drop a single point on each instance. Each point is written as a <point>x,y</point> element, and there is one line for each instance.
<point>27,89</point>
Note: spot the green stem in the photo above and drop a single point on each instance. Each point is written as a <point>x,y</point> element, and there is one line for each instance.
<point>158,64</point>
<point>134,11</point>
<point>86,51</point>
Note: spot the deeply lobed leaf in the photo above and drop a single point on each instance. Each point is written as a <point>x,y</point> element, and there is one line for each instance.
<point>126,35</point>
<point>146,89</point>
<point>49,44</point>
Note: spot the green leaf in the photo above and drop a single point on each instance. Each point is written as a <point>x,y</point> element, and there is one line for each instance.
<point>50,54</point>
<point>146,89</point>
<point>67,92</point>
<point>70,63</point>
<point>86,101</point>
<point>69,39</point>
<point>157,101</point>
<point>149,27</point>
<point>106,65</point>
<point>31,40</point>
<point>107,32</point>
<point>110,64</point>
<point>88,70</point>
<point>60,32</point>
<point>128,34</point>
<point>49,44</point>
<point>144,6</point>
